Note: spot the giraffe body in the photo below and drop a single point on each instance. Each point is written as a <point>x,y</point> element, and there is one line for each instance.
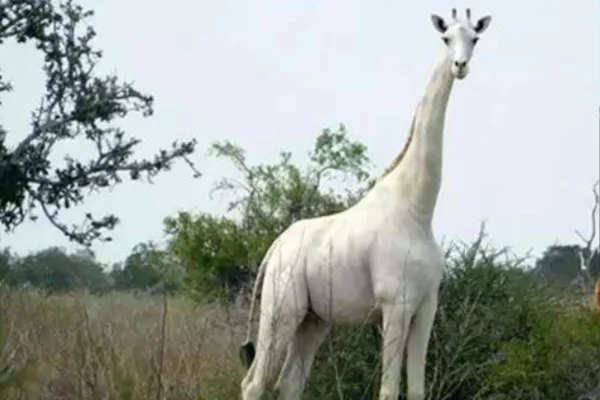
<point>376,261</point>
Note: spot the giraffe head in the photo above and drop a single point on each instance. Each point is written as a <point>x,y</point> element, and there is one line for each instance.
<point>460,37</point>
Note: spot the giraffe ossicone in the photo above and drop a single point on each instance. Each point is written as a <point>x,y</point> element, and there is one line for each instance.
<point>376,261</point>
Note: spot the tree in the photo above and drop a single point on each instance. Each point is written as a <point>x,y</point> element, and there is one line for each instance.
<point>54,270</point>
<point>220,253</point>
<point>144,269</point>
<point>559,264</point>
<point>268,198</point>
<point>213,250</point>
<point>78,105</point>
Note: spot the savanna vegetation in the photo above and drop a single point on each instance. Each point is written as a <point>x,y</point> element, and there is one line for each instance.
<point>166,322</point>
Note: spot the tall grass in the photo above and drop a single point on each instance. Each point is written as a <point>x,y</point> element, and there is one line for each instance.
<point>118,346</point>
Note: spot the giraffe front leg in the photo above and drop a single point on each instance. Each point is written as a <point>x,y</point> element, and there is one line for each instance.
<point>417,343</point>
<point>396,322</point>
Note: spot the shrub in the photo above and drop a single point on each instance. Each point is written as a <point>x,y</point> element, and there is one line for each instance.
<point>559,359</point>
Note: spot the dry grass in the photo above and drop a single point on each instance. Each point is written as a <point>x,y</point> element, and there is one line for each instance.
<point>82,346</point>
<point>126,347</point>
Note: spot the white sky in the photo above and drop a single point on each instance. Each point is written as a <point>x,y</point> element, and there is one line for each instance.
<point>521,142</point>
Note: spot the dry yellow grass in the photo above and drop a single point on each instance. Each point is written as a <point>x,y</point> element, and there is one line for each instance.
<point>88,347</point>
<point>111,347</point>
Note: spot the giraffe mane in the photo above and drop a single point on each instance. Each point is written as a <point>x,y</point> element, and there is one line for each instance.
<point>402,153</point>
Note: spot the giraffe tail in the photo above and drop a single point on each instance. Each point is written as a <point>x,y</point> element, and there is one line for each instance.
<point>247,350</point>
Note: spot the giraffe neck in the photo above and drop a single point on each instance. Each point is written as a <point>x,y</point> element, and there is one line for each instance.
<point>416,177</point>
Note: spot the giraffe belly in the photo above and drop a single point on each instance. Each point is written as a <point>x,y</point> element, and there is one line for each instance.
<point>343,295</point>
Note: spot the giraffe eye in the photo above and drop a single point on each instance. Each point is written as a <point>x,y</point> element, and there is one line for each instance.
<point>446,40</point>
<point>475,40</point>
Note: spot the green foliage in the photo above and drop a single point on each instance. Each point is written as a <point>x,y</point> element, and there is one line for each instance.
<point>268,198</point>
<point>559,359</point>
<point>213,250</point>
<point>78,104</point>
<point>220,253</point>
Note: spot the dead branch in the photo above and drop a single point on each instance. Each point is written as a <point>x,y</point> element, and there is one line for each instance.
<point>586,252</point>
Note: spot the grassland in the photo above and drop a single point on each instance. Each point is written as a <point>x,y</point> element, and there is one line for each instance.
<point>125,346</point>
<point>119,346</point>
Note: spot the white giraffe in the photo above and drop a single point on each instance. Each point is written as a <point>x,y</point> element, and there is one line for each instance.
<point>376,261</point>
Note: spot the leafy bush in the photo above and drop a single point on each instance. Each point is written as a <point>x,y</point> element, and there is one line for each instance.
<point>560,358</point>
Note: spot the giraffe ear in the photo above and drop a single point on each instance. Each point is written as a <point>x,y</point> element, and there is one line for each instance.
<point>482,24</point>
<point>438,23</point>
